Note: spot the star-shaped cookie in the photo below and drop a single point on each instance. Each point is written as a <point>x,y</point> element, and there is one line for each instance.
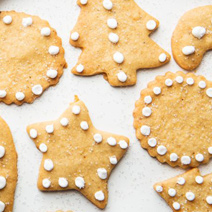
<point>76,155</point>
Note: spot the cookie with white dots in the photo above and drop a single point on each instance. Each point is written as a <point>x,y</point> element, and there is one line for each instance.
<point>172,119</point>
<point>76,155</point>
<point>31,57</point>
<point>8,168</point>
<point>192,37</point>
<point>187,192</point>
<point>114,42</point>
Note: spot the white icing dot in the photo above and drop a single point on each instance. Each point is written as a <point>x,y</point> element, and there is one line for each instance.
<point>107,4</point>
<point>111,141</point>
<point>209,92</point>
<point>3,182</point>
<point>122,77</point>
<point>198,32</point>
<point>176,206</point>
<point>63,182</point>
<point>151,25</point>
<point>2,151</point>
<point>80,68</point>
<point>210,150</point>
<point>37,89</point>
<point>46,183</point>
<point>45,31</point>
<point>181,181</point>
<point>27,22</point>
<point>161,150</point>
<point>102,173</point>
<point>202,84</point>
<point>19,96</point>
<point>168,82</point>
<point>64,122</point>
<point>2,206</point>
<point>118,57</point>
<point>112,23</point>
<point>199,179</point>
<point>173,157</point>
<point>74,36</point>
<point>76,109</point>
<point>114,38</point>
<point>156,90</point>
<point>147,111</point>
<point>3,93</point>
<point>97,138</point>
<point>52,73</point>
<point>83,2</point>
<point>152,142</point>
<point>209,200</point>
<point>188,50</point>
<point>54,50</point>
<point>190,81</point>
<point>43,147</point>
<point>123,144</point>
<point>190,196</point>
<point>80,182</point>
<point>162,57</point>
<point>199,157</point>
<point>48,165</point>
<point>185,160</point>
<point>84,125</point>
<point>159,189</point>
<point>179,79</point>
<point>7,19</point>
<point>50,128</point>
<point>172,192</point>
<point>145,130</point>
<point>99,195</point>
<point>33,133</point>
<point>147,99</point>
<point>113,160</point>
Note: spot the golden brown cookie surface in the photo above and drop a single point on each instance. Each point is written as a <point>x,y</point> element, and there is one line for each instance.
<point>114,37</point>
<point>31,57</point>
<point>76,155</point>
<point>172,119</point>
<point>187,192</point>
<point>192,37</point>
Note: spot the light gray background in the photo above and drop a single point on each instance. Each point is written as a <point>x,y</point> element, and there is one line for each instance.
<point>130,186</point>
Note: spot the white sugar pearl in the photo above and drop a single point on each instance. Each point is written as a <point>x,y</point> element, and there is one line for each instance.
<point>179,79</point>
<point>84,125</point>
<point>151,25</point>
<point>199,179</point>
<point>202,84</point>
<point>80,182</point>
<point>33,133</point>
<point>111,141</point>
<point>199,157</point>
<point>43,148</point>
<point>162,57</point>
<point>45,31</point>
<point>209,200</point>
<point>190,81</point>
<point>181,181</point>
<point>173,157</point>
<point>27,22</point>
<point>46,183</point>
<point>123,144</point>
<point>48,165</point>
<point>54,50</point>
<point>83,2</point>
<point>99,195</point>
<point>161,150</point>
<point>3,93</point>
<point>172,192</point>
<point>198,32</point>
<point>97,138</point>
<point>122,77</point>
<point>112,23</point>
<point>63,182</point>
<point>185,160</point>
<point>102,173</point>
<point>152,142</point>
<point>3,182</point>
<point>168,82</point>
<point>80,68</point>
<point>114,38</point>
<point>37,89</point>
<point>176,206</point>
<point>76,109</point>
<point>19,96</point>
<point>146,111</point>
<point>145,130</point>
<point>188,50</point>
<point>52,73</point>
<point>75,36</point>
<point>156,90</point>
<point>2,206</point>
<point>147,99</point>
<point>209,92</point>
<point>50,128</point>
<point>2,151</point>
<point>7,19</point>
<point>64,122</point>
<point>118,57</point>
<point>113,160</point>
<point>107,4</point>
<point>190,196</point>
<point>159,189</point>
<point>210,150</point>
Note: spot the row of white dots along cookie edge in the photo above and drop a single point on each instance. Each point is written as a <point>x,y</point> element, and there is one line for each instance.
<point>3,181</point>
<point>53,50</point>
<point>118,57</point>
<point>146,111</point>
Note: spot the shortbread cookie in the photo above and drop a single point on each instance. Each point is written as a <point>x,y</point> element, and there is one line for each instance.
<point>8,168</point>
<point>114,37</point>
<point>31,57</point>
<point>192,37</point>
<point>76,155</point>
<point>189,192</point>
<point>173,117</point>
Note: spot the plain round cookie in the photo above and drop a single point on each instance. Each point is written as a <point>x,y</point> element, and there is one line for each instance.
<point>31,57</point>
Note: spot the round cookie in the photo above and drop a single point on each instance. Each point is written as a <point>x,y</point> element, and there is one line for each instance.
<point>173,117</point>
<point>31,57</point>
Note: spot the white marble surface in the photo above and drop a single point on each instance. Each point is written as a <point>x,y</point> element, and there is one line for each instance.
<point>130,186</point>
